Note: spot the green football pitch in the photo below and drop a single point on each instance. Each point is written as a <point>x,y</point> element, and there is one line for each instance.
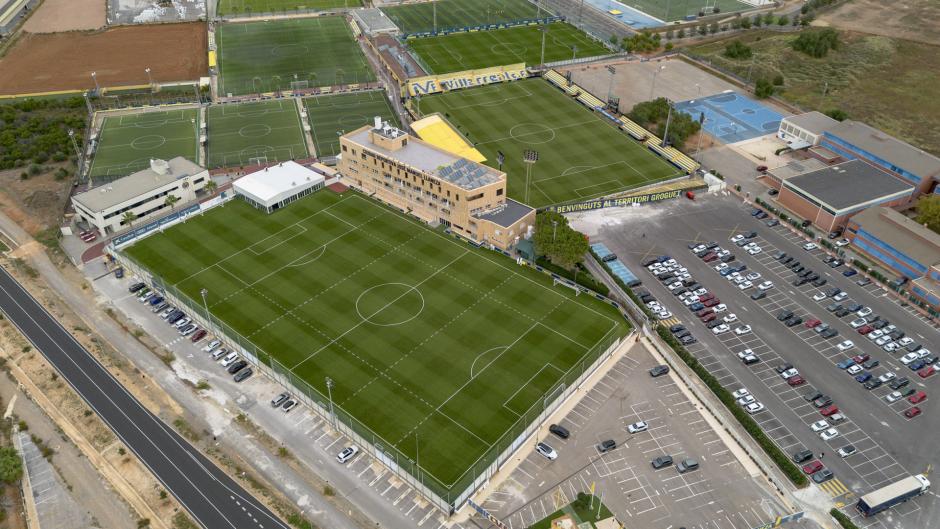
<point>241,134</point>
<point>127,143</point>
<point>671,10</point>
<point>419,17</point>
<point>331,115</point>
<point>435,346</point>
<point>480,49</point>
<point>235,7</point>
<point>259,57</point>
<point>581,155</point>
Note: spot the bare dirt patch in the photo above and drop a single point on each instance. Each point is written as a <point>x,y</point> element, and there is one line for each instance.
<point>64,61</point>
<point>36,203</point>
<point>66,15</point>
<point>917,20</point>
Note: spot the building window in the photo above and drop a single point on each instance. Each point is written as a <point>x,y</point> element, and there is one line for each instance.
<point>499,192</point>
<point>344,148</point>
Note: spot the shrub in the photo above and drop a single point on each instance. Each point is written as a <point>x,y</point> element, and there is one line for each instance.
<point>59,156</point>
<point>738,50</point>
<point>837,114</point>
<point>34,169</point>
<point>817,43</point>
<point>778,80</point>
<point>11,465</point>
<point>782,20</point>
<point>763,89</point>
<point>61,174</point>
<point>843,520</point>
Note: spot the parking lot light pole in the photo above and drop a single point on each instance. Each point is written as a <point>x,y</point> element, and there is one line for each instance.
<point>329,391</point>
<point>204,292</point>
<point>653,86</point>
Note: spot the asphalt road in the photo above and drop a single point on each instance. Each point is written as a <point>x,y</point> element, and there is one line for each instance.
<point>212,498</point>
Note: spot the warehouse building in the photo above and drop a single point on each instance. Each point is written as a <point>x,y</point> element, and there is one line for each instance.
<point>144,194</point>
<point>274,187</point>
<point>433,184</point>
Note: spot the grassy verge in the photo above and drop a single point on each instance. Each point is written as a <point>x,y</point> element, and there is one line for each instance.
<point>585,279</point>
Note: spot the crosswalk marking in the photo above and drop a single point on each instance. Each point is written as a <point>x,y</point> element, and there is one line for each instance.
<point>671,321</point>
<point>834,488</point>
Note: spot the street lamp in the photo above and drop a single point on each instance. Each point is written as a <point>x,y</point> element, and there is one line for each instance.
<point>94,77</point>
<point>329,391</point>
<point>149,78</point>
<point>655,73</point>
<point>205,305</point>
<point>554,229</point>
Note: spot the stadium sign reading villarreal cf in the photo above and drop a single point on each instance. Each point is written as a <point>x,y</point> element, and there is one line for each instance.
<point>433,84</point>
<point>614,202</point>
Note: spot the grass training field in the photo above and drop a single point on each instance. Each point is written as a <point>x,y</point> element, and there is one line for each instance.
<point>874,79</point>
<point>416,18</point>
<point>436,346</point>
<point>259,57</point>
<point>670,10</point>
<point>235,7</point>
<point>581,155</point>
<point>480,49</point>
<point>332,114</point>
<point>241,133</point>
<point>127,143</point>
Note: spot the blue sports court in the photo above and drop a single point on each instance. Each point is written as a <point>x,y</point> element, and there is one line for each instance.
<point>627,15</point>
<point>732,117</point>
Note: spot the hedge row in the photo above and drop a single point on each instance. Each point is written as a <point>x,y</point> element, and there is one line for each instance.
<point>781,459</point>
<point>585,279</point>
<point>843,520</point>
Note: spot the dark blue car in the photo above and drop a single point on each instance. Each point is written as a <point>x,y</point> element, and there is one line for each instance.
<point>863,377</point>
<point>916,364</point>
<point>845,364</point>
<point>695,307</point>
<point>849,272</point>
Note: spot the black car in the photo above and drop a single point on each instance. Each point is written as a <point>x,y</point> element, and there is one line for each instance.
<point>702,253</point>
<point>651,260</point>
<point>871,364</point>
<point>843,312</point>
<point>854,307</point>
<point>787,260</point>
<point>609,257</point>
<point>689,282</point>
<point>646,298</point>
<point>913,347</point>
<point>711,245</point>
<point>872,384</point>
<point>728,258</point>
<point>762,215</point>
<point>802,455</point>
<point>812,395</point>
<point>760,294</point>
<point>750,235</point>
<point>897,335</point>
<point>780,255</point>
<point>820,282</point>
<point>784,315</point>
<point>793,264</point>
<point>683,333</point>
<point>560,431</point>
<point>783,367</point>
<point>833,291</point>
<point>772,222</point>
<point>659,370</point>
<point>800,281</point>
<point>694,286</point>
<point>899,383</point>
<point>834,307</point>
<point>822,401</point>
<point>606,446</point>
<point>813,276</point>
<point>714,323</point>
<point>793,322</point>
<point>798,269</point>
<point>666,276</point>
<point>243,374</point>
<point>829,333</point>
<point>805,273</point>
<point>872,318</point>
<point>237,366</point>
<point>136,287</point>
<point>635,283</point>
<point>676,328</point>
<point>881,324</point>
<point>679,291</point>
<point>662,461</point>
<point>688,340</point>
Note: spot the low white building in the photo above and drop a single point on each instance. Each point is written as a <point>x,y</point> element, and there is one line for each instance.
<point>276,186</point>
<point>143,193</point>
<point>804,130</point>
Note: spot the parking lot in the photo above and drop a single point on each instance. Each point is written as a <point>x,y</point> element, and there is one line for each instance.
<point>721,494</point>
<point>886,442</point>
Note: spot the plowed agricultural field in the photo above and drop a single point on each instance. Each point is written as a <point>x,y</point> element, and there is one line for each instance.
<point>64,61</point>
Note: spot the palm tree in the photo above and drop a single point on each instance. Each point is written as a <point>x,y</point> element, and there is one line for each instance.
<point>211,186</point>
<point>171,201</point>
<point>128,218</point>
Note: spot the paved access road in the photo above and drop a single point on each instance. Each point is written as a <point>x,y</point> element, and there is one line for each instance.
<point>213,499</point>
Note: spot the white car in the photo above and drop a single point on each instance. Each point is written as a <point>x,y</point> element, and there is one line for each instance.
<point>893,397</point>
<point>730,318</point>
<point>211,346</point>
<point>840,296</point>
<point>675,286</point>
<point>891,347</point>
<point>638,427</point>
<point>691,300</point>
<point>864,311</point>
<point>744,353</point>
<point>904,342</point>
<point>887,377</point>
<point>745,285</point>
<point>922,353</point>
<point>546,451</point>
<point>820,296</point>
<point>883,340</point>
<point>792,372</point>
<point>740,393</point>
<point>744,329</point>
<point>737,238</point>
<point>753,276</point>
<point>829,434</point>
<point>810,246</point>
<point>700,292</point>
<point>722,253</point>
<point>721,266</point>
<point>721,329</point>
<point>819,426</point>
<point>738,279</point>
<point>698,248</point>
<point>843,242</point>
<point>721,307</point>
<point>766,285</point>
<point>754,407</point>
<point>877,333</point>
<point>858,322</point>
<point>664,314</point>
<point>854,369</point>
<point>845,346</point>
<point>348,453</point>
<point>733,275</point>
<point>745,400</point>
<point>229,359</point>
<point>908,358</point>
<point>754,250</point>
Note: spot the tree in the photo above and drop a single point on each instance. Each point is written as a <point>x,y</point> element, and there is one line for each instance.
<point>768,19</point>
<point>738,50</point>
<point>836,114</point>
<point>778,80</point>
<point>928,211</point>
<point>128,218</point>
<point>171,201</point>
<point>653,114</point>
<point>11,465</point>
<point>796,20</point>
<point>681,33</point>
<point>211,186</point>
<point>782,20</point>
<point>613,41</point>
<point>763,89</point>
<point>713,28</point>
<point>558,241</point>
<point>756,21</point>
<point>702,29</point>
<point>746,23</point>
<point>817,43</point>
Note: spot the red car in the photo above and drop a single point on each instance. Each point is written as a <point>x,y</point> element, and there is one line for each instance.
<point>829,410</point>
<point>795,380</point>
<point>917,397</point>
<point>865,329</point>
<point>704,312</point>
<point>706,297</point>
<point>813,467</point>
<point>862,358</point>
<point>199,335</point>
<point>926,372</point>
<point>812,322</point>
<point>709,258</point>
<point>712,302</point>
<point>709,317</point>
<point>912,412</point>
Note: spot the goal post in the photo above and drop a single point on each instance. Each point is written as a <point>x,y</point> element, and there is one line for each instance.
<point>257,160</point>
<point>299,85</point>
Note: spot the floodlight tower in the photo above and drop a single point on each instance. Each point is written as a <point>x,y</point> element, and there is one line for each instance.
<point>655,73</point>
<point>610,87</point>
<point>529,157</point>
<point>544,34</point>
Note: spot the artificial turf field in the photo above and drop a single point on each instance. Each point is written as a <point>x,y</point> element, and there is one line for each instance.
<point>581,155</point>
<point>127,143</point>
<point>429,341</point>
<point>480,49</point>
<point>670,10</point>
<point>338,113</point>
<point>228,7</point>
<point>259,57</point>
<point>416,18</point>
<point>241,133</point>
